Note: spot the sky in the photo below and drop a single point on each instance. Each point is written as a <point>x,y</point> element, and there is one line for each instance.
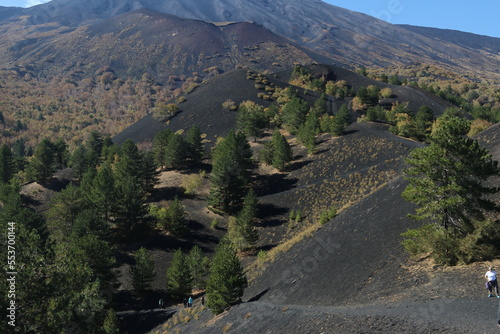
<point>479,17</point>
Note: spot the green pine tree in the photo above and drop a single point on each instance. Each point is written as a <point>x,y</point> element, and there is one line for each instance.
<point>160,143</point>
<point>42,165</point>
<point>143,272</point>
<point>194,144</point>
<point>226,281</point>
<point>341,120</point>
<point>294,113</point>
<point>198,267</point>
<point>175,151</point>
<point>175,218</point>
<point>307,132</point>
<point>111,325</point>
<point>251,119</point>
<point>102,192</point>
<point>179,279</point>
<point>63,210</point>
<point>232,160</point>
<point>283,154</point>
<point>7,164</point>
<point>446,179</point>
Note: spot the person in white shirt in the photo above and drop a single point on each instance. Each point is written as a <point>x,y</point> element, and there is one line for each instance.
<point>491,277</point>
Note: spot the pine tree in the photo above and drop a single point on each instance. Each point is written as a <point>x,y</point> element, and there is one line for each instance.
<point>7,166</point>
<point>294,113</point>
<point>230,172</point>
<point>175,218</point>
<point>149,172</point>
<point>319,107</point>
<point>242,231</point>
<point>179,280</point>
<point>42,165</point>
<point>102,192</point>
<point>341,121</point>
<point>78,161</point>
<point>198,267</point>
<point>282,151</point>
<point>175,151</point>
<point>194,144</point>
<point>93,149</point>
<point>130,208</point>
<point>446,179</point>
<point>143,272</point>
<point>64,208</point>
<point>226,281</point>
<point>160,143</point>
<point>61,154</point>
<point>423,121</point>
<point>307,131</point>
<point>111,325</point>
<point>251,119</point>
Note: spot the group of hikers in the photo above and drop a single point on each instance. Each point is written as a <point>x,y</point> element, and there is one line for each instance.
<point>187,302</point>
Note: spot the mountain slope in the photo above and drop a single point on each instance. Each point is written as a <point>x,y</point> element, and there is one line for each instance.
<point>464,39</point>
<point>204,105</point>
<point>146,41</point>
<point>347,36</point>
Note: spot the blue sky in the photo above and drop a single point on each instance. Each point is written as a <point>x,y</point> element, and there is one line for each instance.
<point>480,17</point>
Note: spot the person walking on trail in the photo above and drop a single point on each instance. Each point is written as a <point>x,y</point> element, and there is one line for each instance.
<point>185,302</point>
<point>160,303</point>
<point>492,282</point>
<point>190,302</point>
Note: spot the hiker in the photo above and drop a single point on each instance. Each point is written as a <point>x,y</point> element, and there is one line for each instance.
<point>492,282</point>
<point>190,301</point>
<point>203,301</point>
<point>185,302</point>
<point>160,303</point>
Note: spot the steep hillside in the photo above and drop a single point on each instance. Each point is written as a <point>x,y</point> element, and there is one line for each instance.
<point>203,106</point>
<point>349,275</point>
<point>465,39</point>
<point>348,37</point>
<point>145,41</point>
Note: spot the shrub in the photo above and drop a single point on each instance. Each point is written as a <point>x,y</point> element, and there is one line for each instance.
<point>229,105</point>
<point>214,223</point>
<point>386,93</point>
<point>192,182</point>
<point>327,215</point>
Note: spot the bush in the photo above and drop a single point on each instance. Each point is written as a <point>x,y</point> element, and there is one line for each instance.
<point>163,112</point>
<point>192,182</point>
<point>327,215</point>
<point>229,105</point>
<point>386,93</point>
<point>448,249</point>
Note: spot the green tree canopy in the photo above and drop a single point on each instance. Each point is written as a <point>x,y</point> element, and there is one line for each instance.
<point>179,279</point>
<point>143,272</point>
<point>226,281</point>
<point>232,160</point>
<point>7,165</point>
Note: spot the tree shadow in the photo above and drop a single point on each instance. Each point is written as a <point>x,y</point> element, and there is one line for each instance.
<point>272,184</point>
<point>166,193</point>
<point>268,210</point>
<point>298,165</point>
<point>258,296</point>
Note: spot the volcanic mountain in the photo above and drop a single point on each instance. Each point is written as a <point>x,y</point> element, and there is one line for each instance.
<point>346,36</point>
<point>146,41</point>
